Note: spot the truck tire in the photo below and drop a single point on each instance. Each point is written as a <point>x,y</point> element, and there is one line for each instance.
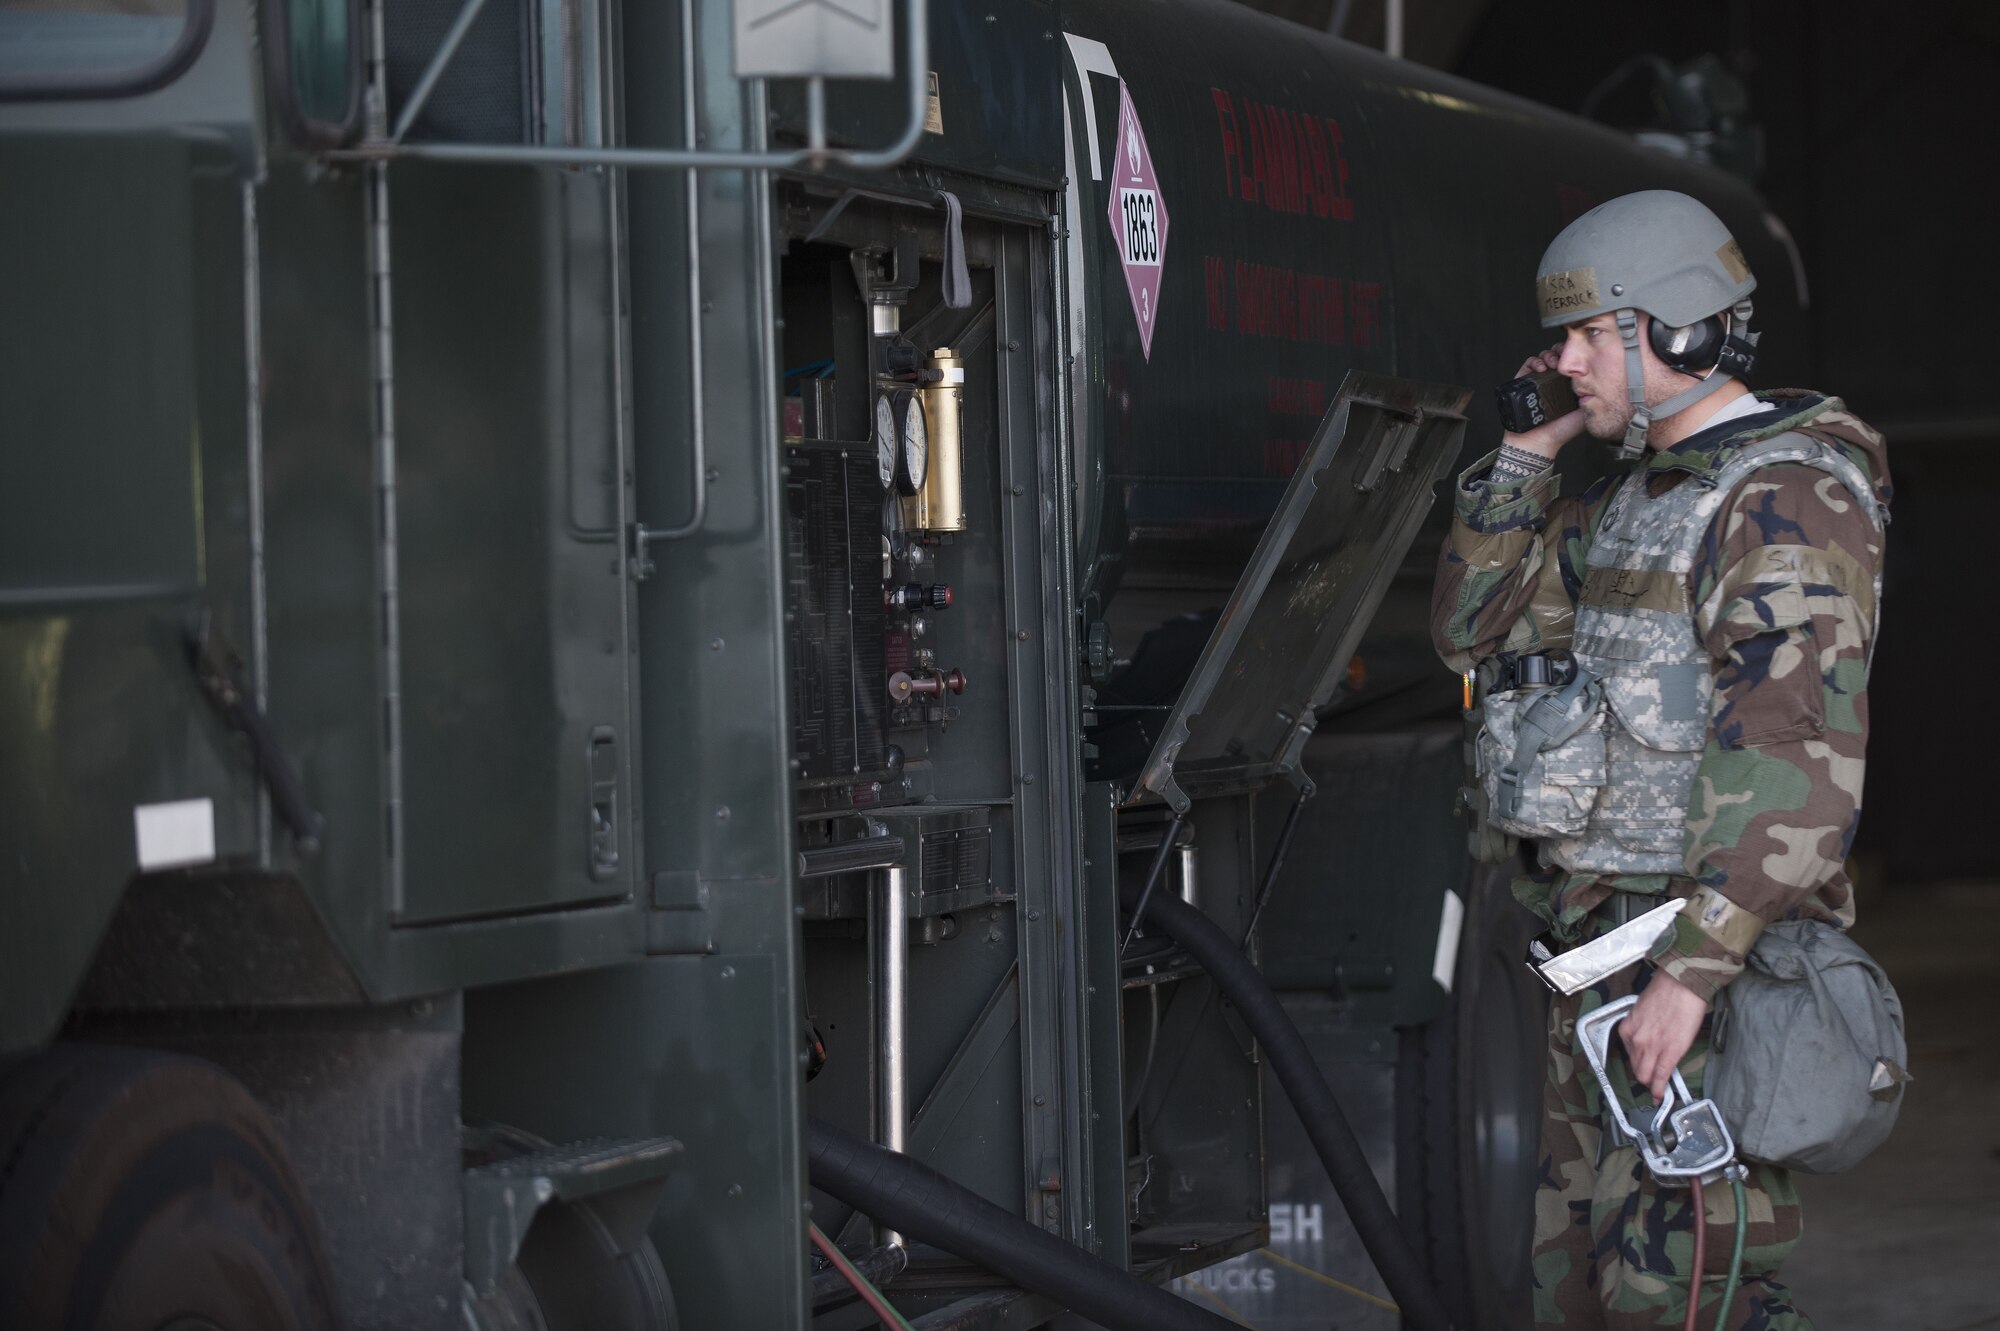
<point>1469,1099</point>
<point>141,1190</point>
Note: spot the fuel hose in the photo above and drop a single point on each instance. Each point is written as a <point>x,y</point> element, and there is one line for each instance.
<point>1341,1155</point>
<point>1735,1257</point>
<point>1700,1264</point>
<point>912,1198</point>
<point>1700,1257</point>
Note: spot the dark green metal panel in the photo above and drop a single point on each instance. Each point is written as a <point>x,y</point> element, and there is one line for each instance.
<point>513,652</point>
<point>327,667</point>
<point>121,507</point>
<point>968,1123</point>
<point>731,1227</point>
<point>121,496</point>
<point>1358,905</point>
<point>97,372</point>
<point>320,516</point>
<point>716,807</point>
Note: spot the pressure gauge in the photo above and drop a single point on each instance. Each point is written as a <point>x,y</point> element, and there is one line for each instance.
<point>913,462</point>
<point>885,440</point>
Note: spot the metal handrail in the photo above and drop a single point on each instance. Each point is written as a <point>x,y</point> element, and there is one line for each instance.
<point>642,535</point>
<point>916,41</point>
<point>690,159</point>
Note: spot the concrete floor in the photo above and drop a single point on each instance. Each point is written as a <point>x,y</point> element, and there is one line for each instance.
<point>1910,1240</point>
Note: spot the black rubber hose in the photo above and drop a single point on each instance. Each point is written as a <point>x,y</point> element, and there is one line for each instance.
<point>1346,1167</point>
<point>911,1197</point>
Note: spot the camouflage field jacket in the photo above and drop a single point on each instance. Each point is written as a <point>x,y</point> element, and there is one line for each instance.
<point>1777,794</point>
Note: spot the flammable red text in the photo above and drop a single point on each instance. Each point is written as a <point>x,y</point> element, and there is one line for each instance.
<point>1287,160</point>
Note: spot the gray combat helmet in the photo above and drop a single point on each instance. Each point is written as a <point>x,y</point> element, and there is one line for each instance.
<point>1666,254</point>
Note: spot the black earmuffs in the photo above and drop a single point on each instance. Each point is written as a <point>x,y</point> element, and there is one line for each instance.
<point>1704,345</point>
<point>1692,348</point>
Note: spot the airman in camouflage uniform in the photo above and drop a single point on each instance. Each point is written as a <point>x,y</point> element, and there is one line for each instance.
<point>1779,588</point>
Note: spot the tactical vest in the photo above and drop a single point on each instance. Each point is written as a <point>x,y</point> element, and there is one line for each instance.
<point>1608,790</point>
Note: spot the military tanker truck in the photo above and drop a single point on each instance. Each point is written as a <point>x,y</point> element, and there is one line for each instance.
<point>592,591</point>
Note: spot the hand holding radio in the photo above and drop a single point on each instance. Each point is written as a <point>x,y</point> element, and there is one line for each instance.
<point>1538,409</point>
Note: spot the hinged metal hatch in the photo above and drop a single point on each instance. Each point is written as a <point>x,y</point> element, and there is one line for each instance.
<point>1296,615</point>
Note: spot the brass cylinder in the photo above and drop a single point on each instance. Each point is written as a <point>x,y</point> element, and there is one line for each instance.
<point>941,505</point>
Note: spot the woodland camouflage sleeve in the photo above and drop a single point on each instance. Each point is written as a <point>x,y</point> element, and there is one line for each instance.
<point>1511,568</point>
<point>1785,601</point>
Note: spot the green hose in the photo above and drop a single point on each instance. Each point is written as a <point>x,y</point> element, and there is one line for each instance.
<point>1735,1257</point>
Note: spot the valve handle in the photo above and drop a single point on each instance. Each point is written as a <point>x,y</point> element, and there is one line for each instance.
<point>903,686</point>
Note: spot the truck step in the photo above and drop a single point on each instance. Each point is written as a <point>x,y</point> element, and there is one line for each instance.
<point>619,1178</point>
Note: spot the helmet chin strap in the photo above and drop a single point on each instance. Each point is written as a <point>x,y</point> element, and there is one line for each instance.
<point>1633,445</point>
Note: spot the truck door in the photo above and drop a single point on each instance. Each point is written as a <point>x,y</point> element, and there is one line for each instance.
<point>509,481</point>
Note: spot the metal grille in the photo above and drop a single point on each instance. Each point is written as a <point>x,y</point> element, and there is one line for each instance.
<point>486,91</point>
<point>833,582</point>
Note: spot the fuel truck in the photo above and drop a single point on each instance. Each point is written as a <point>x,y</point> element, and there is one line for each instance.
<point>607,608</point>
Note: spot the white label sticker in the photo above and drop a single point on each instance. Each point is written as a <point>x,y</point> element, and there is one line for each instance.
<point>1141,236</point>
<point>1449,923</point>
<point>173,835</point>
<point>933,108</point>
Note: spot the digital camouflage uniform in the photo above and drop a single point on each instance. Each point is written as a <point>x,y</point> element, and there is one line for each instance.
<point>1783,582</point>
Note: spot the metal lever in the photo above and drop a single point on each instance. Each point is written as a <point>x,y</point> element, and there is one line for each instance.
<point>1684,1138</point>
<point>957,282</point>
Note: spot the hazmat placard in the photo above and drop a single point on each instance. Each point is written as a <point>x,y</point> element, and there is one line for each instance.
<point>1138,218</point>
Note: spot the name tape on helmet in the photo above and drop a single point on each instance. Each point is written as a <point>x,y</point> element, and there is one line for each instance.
<point>1571,290</point>
<point>1732,258</point>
